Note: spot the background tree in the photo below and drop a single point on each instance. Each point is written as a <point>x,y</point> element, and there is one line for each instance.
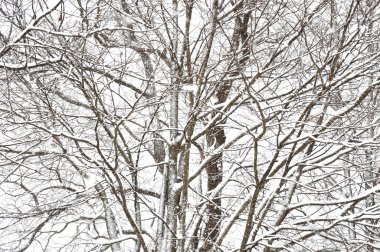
<point>189,125</point>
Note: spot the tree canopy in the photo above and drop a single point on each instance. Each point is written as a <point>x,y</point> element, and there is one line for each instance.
<point>146,125</point>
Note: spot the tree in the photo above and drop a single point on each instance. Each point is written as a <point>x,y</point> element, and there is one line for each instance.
<point>189,125</point>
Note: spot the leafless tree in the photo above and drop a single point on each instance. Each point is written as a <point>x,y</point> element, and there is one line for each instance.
<point>189,125</point>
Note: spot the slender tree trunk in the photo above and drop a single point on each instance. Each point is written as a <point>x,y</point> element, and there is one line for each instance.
<point>172,203</point>
<point>217,136</point>
<point>112,229</point>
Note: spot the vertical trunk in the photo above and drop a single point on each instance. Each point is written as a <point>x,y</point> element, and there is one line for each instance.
<point>148,67</point>
<point>136,205</point>
<point>214,178</point>
<point>185,155</point>
<point>112,229</point>
<point>216,136</point>
<point>162,210</point>
<point>184,193</point>
<point>171,217</point>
